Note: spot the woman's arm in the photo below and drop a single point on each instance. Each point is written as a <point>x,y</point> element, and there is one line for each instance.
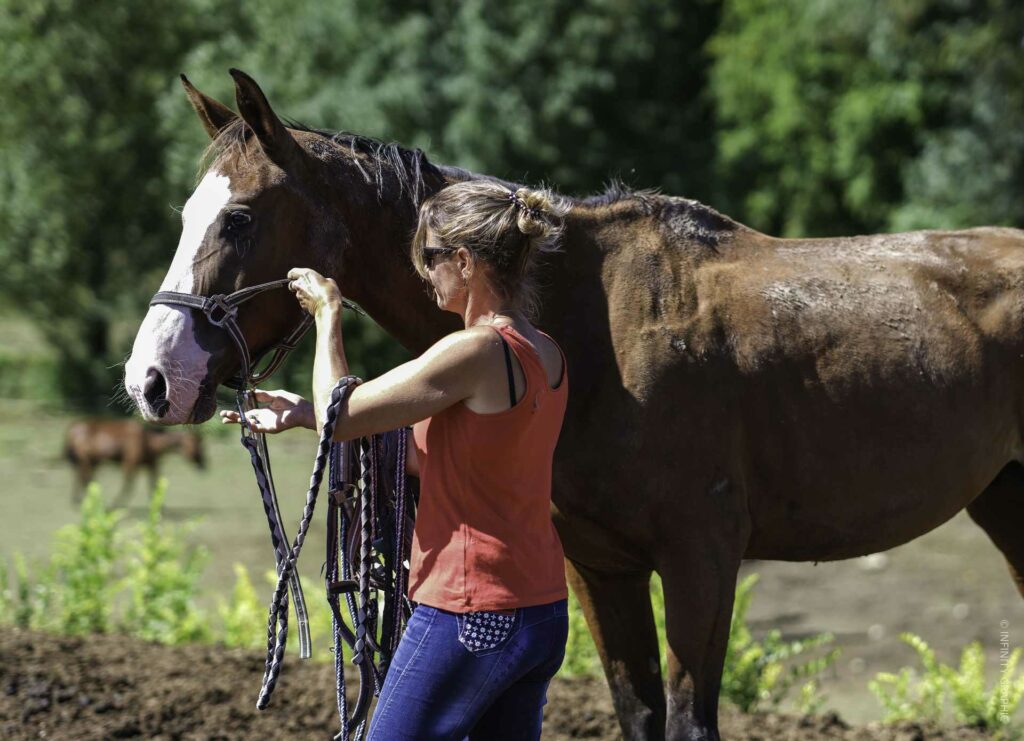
<point>444,375</point>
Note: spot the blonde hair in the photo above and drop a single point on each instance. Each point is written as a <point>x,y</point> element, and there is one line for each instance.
<point>505,229</point>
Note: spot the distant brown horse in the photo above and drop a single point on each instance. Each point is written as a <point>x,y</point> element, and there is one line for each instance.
<point>734,395</point>
<point>89,442</point>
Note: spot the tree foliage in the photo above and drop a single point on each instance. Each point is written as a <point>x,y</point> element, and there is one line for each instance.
<point>82,168</point>
<point>870,116</point>
<point>801,117</point>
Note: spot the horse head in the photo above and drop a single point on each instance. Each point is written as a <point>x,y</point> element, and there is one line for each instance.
<point>259,210</point>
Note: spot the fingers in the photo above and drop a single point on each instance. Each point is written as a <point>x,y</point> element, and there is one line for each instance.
<point>294,277</point>
<point>229,417</point>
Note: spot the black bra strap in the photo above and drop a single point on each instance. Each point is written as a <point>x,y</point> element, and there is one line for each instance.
<point>511,382</point>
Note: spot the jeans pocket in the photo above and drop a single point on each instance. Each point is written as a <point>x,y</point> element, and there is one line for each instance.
<point>485,632</point>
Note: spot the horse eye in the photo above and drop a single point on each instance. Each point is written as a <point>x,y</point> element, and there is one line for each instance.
<point>239,218</point>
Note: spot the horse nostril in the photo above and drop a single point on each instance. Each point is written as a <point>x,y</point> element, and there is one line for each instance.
<point>155,391</point>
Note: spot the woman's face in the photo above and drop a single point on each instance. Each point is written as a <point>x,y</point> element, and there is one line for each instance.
<point>444,269</point>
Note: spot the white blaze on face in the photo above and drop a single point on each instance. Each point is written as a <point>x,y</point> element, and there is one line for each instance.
<point>165,340</point>
<point>201,210</point>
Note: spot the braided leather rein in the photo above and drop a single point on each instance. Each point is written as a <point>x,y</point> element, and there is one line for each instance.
<point>370,518</point>
<point>370,478</point>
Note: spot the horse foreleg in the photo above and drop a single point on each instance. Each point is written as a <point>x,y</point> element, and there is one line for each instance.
<point>699,579</point>
<point>1000,513</point>
<point>83,475</point>
<point>154,477</point>
<point>128,470</point>
<point>617,607</point>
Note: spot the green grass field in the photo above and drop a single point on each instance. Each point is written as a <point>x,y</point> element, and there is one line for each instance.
<point>223,498</point>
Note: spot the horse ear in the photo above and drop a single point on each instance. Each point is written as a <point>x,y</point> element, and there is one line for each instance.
<point>277,142</point>
<point>215,116</point>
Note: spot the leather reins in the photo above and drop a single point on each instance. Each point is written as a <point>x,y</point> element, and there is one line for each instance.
<point>370,515</point>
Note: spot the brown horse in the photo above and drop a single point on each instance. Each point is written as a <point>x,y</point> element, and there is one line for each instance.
<point>734,395</point>
<point>89,442</point>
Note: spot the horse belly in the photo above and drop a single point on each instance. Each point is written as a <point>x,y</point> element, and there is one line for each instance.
<point>838,481</point>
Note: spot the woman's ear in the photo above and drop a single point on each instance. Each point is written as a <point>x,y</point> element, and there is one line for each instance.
<point>467,261</point>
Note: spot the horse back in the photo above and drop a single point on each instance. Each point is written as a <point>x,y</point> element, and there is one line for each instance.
<point>95,440</point>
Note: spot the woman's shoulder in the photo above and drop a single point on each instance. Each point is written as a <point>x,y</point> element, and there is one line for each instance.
<point>466,352</point>
<point>466,341</point>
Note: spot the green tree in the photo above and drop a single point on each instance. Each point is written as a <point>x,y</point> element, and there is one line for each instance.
<point>848,117</point>
<point>83,196</point>
<point>568,92</point>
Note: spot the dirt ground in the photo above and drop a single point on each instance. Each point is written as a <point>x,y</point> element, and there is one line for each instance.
<point>105,687</point>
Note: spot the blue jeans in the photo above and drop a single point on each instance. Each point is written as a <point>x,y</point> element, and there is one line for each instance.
<point>481,675</point>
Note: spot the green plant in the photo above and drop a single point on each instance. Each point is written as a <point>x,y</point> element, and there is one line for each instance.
<point>46,599</point>
<point>83,563</point>
<point>972,703</point>
<point>24,603</point>
<point>162,581</point>
<point>913,695</point>
<point>810,699</point>
<point>243,617</point>
<point>6,596</point>
<point>581,657</point>
<point>23,606</point>
<point>763,671</point>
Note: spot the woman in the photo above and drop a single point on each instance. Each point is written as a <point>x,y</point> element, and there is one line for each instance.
<point>486,570</point>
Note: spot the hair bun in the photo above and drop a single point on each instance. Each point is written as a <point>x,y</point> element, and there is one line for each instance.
<point>536,213</point>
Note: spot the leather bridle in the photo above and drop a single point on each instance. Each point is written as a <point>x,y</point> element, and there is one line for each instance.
<point>222,311</point>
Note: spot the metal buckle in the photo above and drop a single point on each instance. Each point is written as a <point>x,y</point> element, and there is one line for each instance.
<point>344,494</point>
<point>242,399</point>
<point>228,312</point>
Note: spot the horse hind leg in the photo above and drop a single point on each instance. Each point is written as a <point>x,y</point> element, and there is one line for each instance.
<point>1000,513</point>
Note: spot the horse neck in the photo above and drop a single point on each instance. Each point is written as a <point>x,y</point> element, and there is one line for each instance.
<point>375,269</point>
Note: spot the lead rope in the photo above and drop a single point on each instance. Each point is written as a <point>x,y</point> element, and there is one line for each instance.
<point>256,444</point>
<point>372,496</point>
<point>279,603</point>
<point>342,523</point>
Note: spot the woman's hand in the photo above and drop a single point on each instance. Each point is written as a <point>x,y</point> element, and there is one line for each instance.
<point>314,291</point>
<point>285,411</point>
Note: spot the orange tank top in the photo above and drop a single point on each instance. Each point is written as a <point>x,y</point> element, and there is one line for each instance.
<point>484,539</point>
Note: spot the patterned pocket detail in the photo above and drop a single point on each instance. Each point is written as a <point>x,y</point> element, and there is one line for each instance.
<point>482,631</point>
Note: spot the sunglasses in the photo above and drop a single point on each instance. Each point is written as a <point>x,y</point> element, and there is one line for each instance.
<point>431,253</point>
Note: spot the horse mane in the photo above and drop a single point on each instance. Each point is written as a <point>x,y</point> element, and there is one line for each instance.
<point>386,164</point>
<point>380,163</point>
<point>616,191</point>
<point>680,217</point>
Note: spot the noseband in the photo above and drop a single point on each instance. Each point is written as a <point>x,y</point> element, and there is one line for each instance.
<point>222,311</point>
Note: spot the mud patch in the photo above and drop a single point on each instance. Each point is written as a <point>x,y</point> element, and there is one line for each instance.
<point>111,687</point>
